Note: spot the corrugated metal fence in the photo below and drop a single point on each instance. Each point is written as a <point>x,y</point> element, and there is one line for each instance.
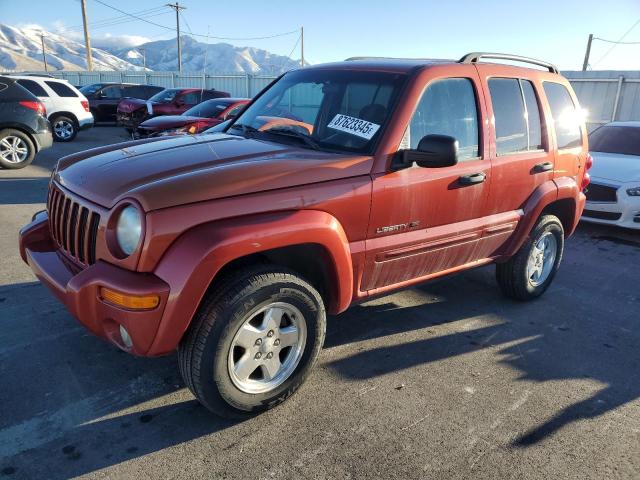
<point>237,84</point>
<point>607,95</point>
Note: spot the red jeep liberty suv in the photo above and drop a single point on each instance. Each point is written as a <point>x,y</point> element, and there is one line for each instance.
<point>232,247</point>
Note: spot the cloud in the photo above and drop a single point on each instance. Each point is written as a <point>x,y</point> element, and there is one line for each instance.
<point>99,40</point>
<point>117,41</point>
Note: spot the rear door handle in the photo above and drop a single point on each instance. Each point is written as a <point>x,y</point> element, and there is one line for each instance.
<point>472,178</point>
<point>542,167</point>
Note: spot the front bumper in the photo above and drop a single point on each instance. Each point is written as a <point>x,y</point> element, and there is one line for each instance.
<point>79,289</point>
<point>624,212</point>
<point>131,119</point>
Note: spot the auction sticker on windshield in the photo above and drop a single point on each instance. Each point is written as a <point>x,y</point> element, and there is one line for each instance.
<point>354,126</point>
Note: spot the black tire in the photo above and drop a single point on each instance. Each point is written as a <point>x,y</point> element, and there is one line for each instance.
<point>10,138</point>
<point>204,351</point>
<point>512,275</point>
<point>64,128</point>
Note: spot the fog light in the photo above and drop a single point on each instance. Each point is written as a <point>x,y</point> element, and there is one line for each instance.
<point>126,339</point>
<point>130,302</point>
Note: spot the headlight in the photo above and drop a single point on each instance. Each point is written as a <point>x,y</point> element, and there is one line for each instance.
<point>129,229</point>
<point>173,131</point>
<point>634,192</point>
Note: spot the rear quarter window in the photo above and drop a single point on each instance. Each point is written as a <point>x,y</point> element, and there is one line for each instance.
<point>34,87</point>
<point>566,117</point>
<point>61,89</point>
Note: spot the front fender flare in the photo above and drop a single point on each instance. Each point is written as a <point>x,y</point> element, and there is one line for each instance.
<point>195,258</point>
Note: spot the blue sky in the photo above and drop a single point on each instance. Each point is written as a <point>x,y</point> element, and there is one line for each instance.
<point>555,30</point>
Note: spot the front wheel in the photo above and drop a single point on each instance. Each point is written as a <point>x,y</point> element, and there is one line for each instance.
<point>531,270</point>
<point>253,341</point>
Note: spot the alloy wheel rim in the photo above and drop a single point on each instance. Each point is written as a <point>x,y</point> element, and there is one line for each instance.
<point>13,149</point>
<point>267,347</point>
<point>63,129</point>
<point>541,259</point>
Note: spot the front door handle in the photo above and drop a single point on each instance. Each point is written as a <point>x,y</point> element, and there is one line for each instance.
<point>472,179</point>
<point>542,167</point>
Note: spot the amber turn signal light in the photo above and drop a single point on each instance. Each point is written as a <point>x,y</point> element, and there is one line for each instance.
<point>130,302</point>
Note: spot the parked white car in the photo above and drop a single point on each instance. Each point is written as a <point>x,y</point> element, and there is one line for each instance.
<point>613,196</point>
<point>67,108</point>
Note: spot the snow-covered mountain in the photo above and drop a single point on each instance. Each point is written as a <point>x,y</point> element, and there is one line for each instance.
<point>20,49</point>
<point>198,56</point>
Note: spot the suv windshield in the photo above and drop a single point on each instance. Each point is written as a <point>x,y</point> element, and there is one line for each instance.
<point>614,139</point>
<point>207,109</point>
<point>91,89</point>
<point>335,110</point>
<point>165,96</point>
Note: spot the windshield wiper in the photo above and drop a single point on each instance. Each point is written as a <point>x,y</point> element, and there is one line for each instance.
<point>247,130</point>
<point>289,132</point>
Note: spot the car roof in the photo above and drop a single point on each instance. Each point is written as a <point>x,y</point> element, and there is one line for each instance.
<point>628,123</point>
<point>407,65</point>
<point>38,77</point>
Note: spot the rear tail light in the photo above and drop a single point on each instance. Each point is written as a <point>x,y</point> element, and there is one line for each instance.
<point>586,178</point>
<point>85,104</point>
<point>37,106</point>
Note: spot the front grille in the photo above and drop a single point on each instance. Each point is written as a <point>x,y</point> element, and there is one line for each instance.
<point>74,226</point>
<point>602,215</point>
<point>601,193</point>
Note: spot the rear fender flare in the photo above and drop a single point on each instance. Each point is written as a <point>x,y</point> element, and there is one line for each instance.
<point>192,262</point>
<point>546,193</point>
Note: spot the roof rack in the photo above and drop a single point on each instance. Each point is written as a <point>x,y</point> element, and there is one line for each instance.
<point>475,57</point>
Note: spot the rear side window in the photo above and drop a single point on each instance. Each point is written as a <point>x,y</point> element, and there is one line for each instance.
<point>516,115</point>
<point>112,92</point>
<point>192,98</point>
<point>33,87</point>
<point>566,118</point>
<point>61,89</point>
<point>448,107</point>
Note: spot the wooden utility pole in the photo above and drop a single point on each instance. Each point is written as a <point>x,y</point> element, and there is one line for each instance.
<point>587,53</point>
<point>302,46</point>
<point>44,53</point>
<point>177,8</point>
<point>87,39</point>
<point>144,57</point>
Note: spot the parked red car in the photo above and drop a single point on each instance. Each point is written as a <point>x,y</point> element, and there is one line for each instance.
<point>204,115</point>
<point>232,248</point>
<point>172,101</point>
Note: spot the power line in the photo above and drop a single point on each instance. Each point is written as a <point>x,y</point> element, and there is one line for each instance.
<point>121,17</point>
<point>617,42</point>
<point>194,34</point>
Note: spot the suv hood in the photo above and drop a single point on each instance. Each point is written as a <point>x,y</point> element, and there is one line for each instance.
<point>165,172</point>
<point>616,167</point>
<point>171,121</point>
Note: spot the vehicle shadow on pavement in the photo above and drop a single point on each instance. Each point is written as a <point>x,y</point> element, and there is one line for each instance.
<point>22,190</point>
<point>569,341</point>
<point>72,404</point>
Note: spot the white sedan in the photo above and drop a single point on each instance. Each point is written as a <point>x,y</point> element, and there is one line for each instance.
<point>613,196</point>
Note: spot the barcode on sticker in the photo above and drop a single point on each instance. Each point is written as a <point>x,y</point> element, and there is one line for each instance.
<point>354,126</point>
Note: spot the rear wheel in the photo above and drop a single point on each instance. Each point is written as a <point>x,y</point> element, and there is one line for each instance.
<point>64,128</point>
<point>253,341</point>
<point>532,269</point>
<point>16,149</point>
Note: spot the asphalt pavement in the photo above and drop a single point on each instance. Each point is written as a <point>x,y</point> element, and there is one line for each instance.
<point>446,380</point>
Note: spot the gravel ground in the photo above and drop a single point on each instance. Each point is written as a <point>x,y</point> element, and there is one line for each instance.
<point>446,380</point>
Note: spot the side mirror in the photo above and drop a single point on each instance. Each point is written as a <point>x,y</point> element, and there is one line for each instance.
<point>434,151</point>
<point>179,102</point>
